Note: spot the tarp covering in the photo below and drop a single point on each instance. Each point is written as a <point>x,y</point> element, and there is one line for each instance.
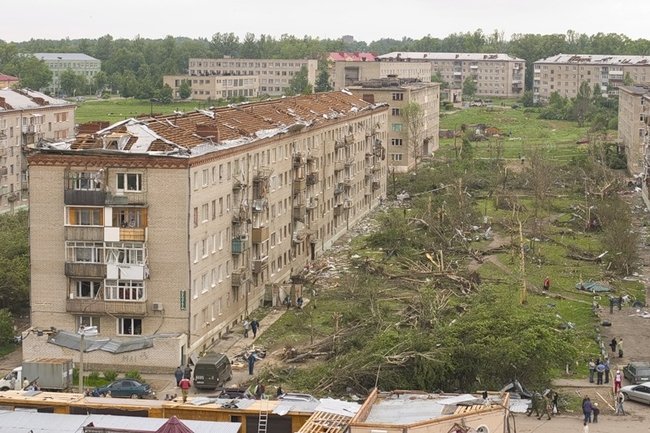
<point>593,287</point>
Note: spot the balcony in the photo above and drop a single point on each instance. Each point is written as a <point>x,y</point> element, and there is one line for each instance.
<point>312,203</point>
<point>239,277</point>
<point>84,233</point>
<point>133,234</point>
<point>126,198</point>
<point>299,212</point>
<point>375,185</point>
<point>339,144</point>
<point>338,211</point>
<point>349,139</point>
<point>99,306</point>
<point>237,185</point>
<point>3,170</point>
<point>339,189</point>
<point>349,162</point>
<point>299,185</point>
<point>260,234</point>
<point>239,245</point>
<point>259,205</point>
<point>298,160</point>
<point>312,178</point>
<point>85,270</point>
<point>339,165</point>
<point>28,129</point>
<point>260,264</point>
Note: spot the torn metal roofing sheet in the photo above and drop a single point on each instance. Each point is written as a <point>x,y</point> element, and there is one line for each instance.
<point>409,408</point>
<point>286,406</point>
<point>597,59</point>
<point>72,341</point>
<point>25,421</point>
<point>202,131</point>
<point>338,407</point>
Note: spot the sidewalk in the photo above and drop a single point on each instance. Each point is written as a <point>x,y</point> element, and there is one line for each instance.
<point>232,344</point>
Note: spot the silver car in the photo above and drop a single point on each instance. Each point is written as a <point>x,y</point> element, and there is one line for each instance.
<point>640,392</point>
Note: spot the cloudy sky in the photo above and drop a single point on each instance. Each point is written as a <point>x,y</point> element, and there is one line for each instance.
<point>366,20</point>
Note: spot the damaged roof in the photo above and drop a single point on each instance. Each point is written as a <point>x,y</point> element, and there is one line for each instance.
<point>64,56</point>
<point>597,59</point>
<point>411,55</point>
<point>72,340</point>
<point>204,131</point>
<point>25,99</point>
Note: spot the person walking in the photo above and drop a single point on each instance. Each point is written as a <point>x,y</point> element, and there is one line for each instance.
<point>618,380</point>
<point>547,284</point>
<point>596,412</point>
<point>620,347</point>
<point>613,345</point>
<point>586,409</point>
<point>185,385</point>
<point>620,398</point>
<point>592,370</point>
<point>255,325</point>
<point>178,375</point>
<point>247,326</point>
<point>187,373</point>
<point>620,302</point>
<point>611,306</point>
<point>251,363</point>
<point>607,370</point>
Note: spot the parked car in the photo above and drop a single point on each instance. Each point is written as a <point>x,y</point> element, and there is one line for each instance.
<point>637,372</point>
<point>640,393</point>
<point>125,388</point>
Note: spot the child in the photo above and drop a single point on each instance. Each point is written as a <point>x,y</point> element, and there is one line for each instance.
<point>595,411</point>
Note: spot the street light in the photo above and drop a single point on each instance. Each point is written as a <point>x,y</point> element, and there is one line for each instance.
<point>90,331</point>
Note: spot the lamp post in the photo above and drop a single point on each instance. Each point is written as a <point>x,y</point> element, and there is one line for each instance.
<point>90,331</point>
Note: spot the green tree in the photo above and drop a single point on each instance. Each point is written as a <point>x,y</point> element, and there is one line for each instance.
<point>299,84</point>
<point>165,94</point>
<point>185,89</point>
<point>469,86</point>
<point>527,99</point>
<point>582,103</point>
<point>14,262</point>
<point>627,79</point>
<point>437,78</point>
<point>33,73</point>
<point>6,327</point>
<point>72,84</point>
<point>323,79</point>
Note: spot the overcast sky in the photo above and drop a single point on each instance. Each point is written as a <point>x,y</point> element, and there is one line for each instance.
<point>366,20</point>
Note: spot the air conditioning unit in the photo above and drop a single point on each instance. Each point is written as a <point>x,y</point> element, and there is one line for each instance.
<point>158,306</point>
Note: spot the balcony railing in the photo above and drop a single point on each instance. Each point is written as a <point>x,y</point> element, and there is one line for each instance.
<point>133,234</point>
<point>81,233</point>
<point>125,198</point>
<point>260,234</point>
<point>239,277</point>
<point>260,264</point>
<point>312,178</point>
<point>299,185</point>
<point>239,245</point>
<point>99,306</point>
<point>85,270</point>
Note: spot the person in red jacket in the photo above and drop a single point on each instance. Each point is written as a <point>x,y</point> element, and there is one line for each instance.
<point>185,385</point>
<point>547,284</point>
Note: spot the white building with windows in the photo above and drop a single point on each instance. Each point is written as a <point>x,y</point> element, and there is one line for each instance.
<point>79,63</point>
<point>166,231</point>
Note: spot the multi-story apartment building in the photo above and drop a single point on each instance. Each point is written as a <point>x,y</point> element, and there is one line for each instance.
<point>409,138</point>
<point>564,73</point>
<point>27,117</point>
<point>274,75</point>
<point>78,63</point>
<point>348,72</point>
<point>166,231</point>
<point>215,86</point>
<point>633,114</point>
<point>496,75</point>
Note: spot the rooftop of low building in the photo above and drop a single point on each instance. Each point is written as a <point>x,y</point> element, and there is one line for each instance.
<point>412,55</point>
<point>25,99</point>
<point>597,59</point>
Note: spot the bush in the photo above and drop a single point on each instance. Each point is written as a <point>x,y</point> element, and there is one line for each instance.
<point>110,375</point>
<point>93,376</point>
<point>133,374</point>
<point>6,327</point>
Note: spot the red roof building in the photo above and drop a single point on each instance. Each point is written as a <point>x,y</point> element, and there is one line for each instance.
<point>8,81</point>
<point>356,56</point>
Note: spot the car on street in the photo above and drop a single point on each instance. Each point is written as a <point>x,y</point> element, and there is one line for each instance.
<point>129,388</point>
<point>637,372</point>
<point>640,392</point>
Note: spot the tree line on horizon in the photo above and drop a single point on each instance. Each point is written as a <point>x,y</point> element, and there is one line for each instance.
<point>135,67</point>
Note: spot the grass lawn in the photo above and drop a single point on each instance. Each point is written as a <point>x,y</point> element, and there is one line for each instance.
<point>114,110</point>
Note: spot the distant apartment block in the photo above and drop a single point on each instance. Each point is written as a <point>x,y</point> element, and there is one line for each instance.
<point>274,75</point>
<point>216,86</point>
<point>563,73</point>
<point>165,232</point>
<point>347,72</point>
<point>26,117</point>
<point>8,81</point>
<point>633,121</point>
<point>78,63</point>
<point>397,94</point>
<point>495,75</point>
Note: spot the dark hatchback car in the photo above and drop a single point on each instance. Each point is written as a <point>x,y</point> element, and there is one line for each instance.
<point>126,388</point>
<point>637,372</point>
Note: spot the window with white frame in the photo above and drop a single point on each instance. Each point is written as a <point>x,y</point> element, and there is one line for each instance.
<point>84,252</point>
<point>87,289</point>
<point>205,283</point>
<point>86,321</point>
<point>195,290</point>
<point>204,213</point>
<point>129,326</point>
<point>84,216</point>
<point>124,290</point>
<point>130,182</point>
<point>85,181</point>
<point>125,253</point>
<point>205,178</point>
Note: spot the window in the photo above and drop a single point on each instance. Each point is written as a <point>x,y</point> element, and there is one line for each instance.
<point>85,216</point>
<point>88,321</point>
<point>214,210</point>
<point>125,253</point>
<point>84,252</point>
<point>124,290</point>
<point>396,141</point>
<point>196,217</point>
<point>398,96</point>
<point>204,248</point>
<point>220,206</point>
<point>204,213</point>
<point>129,326</point>
<point>87,289</point>
<point>129,217</point>
<point>83,181</point>
<point>205,283</point>
<point>396,127</point>
<point>396,157</point>
<point>220,240</point>
<point>205,178</point>
<point>395,112</point>
<point>129,182</point>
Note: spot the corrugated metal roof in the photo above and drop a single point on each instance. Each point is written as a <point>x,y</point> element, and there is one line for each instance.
<point>409,408</point>
<point>64,56</point>
<point>72,341</point>
<point>24,421</point>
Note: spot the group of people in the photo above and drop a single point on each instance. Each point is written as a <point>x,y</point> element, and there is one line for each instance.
<point>252,325</point>
<point>183,376</point>
<point>599,369</point>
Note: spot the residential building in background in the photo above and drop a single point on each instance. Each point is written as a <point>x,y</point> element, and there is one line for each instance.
<point>495,74</point>
<point>216,86</point>
<point>399,93</point>
<point>166,231</point>
<point>633,114</point>
<point>563,73</point>
<point>273,75</point>
<point>27,117</point>
<point>79,63</point>
<point>352,70</point>
<point>8,81</point>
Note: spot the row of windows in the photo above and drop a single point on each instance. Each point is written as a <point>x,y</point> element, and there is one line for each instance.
<point>92,181</point>
<point>94,216</point>
<point>123,325</point>
<point>127,253</point>
<point>114,290</point>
